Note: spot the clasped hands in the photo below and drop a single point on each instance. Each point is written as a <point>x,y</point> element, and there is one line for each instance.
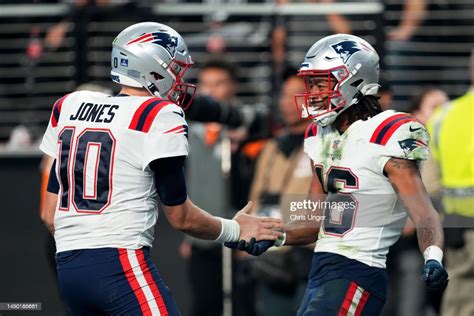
<point>257,234</point>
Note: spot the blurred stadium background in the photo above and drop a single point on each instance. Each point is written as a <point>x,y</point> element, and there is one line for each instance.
<point>36,70</point>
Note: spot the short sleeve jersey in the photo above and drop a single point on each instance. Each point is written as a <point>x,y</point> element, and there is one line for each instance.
<point>363,216</point>
<point>103,146</point>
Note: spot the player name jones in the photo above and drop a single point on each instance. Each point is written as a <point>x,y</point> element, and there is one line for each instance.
<point>98,113</point>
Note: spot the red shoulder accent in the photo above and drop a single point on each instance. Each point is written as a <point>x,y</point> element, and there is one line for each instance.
<point>146,113</point>
<point>311,130</point>
<point>386,129</point>
<point>57,110</point>
<point>180,129</point>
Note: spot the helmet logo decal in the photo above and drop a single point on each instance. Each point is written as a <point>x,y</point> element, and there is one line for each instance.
<point>346,49</point>
<point>164,39</point>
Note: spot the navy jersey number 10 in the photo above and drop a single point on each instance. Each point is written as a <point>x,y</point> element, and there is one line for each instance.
<point>85,169</point>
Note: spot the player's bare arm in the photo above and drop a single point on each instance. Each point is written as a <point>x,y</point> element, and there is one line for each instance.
<point>196,222</point>
<point>47,212</point>
<point>50,200</point>
<point>309,233</point>
<point>406,181</point>
<point>296,233</point>
<point>185,216</point>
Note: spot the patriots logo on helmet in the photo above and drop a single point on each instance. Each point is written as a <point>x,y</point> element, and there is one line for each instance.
<point>346,49</point>
<point>410,144</point>
<point>165,40</point>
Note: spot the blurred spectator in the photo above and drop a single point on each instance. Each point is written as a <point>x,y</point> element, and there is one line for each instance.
<point>77,24</point>
<point>400,37</point>
<point>404,257</point>
<point>20,138</point>
<point>385,94</point>
<point>205,258</point>
<point>56,34</point>
<point>452,146</point>
<point>210,160</point>
<point>282,171</point>
<point>219,80</point>
<point>424,104</point>
<point>420,35</point>
<point>413,14</point>
<point>337,24</point>
<point>423,108</point>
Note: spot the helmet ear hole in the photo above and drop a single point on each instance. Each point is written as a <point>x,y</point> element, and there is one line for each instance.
<point>357,83</point>
<point>156,75</point>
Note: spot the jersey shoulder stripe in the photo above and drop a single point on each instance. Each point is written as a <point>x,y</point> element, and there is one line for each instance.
<point>311,130</point>
<point>57,111</point>
<point>386,129</point>
<point>180,129</point>
<point>146,113</point>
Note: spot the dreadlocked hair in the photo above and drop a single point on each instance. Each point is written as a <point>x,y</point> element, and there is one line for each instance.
<point>368,106</point>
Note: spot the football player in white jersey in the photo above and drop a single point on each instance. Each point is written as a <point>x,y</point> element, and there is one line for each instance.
<point>113,157</point>
<point>365,164</point>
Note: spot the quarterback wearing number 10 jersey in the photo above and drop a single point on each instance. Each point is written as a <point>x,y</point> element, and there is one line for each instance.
<point>103,146</point>
<point>113,156</point>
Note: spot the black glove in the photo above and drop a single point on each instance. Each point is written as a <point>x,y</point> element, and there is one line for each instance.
<point>256,248</point>
<point>253,247</point>
<point>434,275</point>
<point>240,245</point>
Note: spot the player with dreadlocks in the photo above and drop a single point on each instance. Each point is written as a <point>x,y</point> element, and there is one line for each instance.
<point>365,163</point>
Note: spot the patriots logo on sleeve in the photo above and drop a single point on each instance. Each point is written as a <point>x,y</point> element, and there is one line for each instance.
<point>410,144</point>
<point>346,49</point>
<point>165,40</point>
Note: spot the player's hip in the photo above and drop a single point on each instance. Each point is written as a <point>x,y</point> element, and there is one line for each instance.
<point>362,252</point>
<point>103,238</point>
<point>340,297</point>
<point>327,266</point>
<point>113,281</point>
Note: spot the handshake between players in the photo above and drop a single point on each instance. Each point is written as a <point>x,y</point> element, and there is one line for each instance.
<point>244,228</point>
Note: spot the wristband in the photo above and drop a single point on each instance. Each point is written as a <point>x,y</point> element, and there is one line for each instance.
<point>230,230</point>
<point>280,241</point>
<point>433,253</point>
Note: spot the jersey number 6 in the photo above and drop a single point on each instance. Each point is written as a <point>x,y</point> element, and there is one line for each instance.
<point>85,169</point>
<point>341,208</point>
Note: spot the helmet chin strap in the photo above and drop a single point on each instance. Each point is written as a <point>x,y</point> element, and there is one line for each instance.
<point>150,87</point>
<point>326,119</point>
<point>370,89</point>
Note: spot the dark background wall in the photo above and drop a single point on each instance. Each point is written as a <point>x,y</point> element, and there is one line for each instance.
<point>26,270</point>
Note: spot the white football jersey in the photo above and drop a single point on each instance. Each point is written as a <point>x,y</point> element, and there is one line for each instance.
<point>364,217</point>
<point>103,146</point>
